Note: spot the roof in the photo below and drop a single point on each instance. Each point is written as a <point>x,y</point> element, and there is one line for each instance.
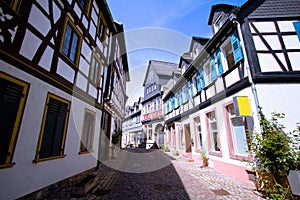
<point>270,8</point>
<point>218,7</point>
<point>122,43</point>
<point>161,68</point>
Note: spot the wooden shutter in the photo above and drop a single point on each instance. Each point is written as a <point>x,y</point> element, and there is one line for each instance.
<point>10,98</point>
<point>236,47</point>
<point>219,62</point>
<point>54,129</point>
<point>297,28</point>
<point>202,81</point>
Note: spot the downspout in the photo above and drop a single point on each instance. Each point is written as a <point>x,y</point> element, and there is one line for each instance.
<point>252,84</point>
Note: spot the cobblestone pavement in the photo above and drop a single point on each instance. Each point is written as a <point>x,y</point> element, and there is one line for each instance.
<point>174,178</point>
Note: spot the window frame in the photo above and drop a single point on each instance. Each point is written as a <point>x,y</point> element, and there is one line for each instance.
<point>102,19</point>
<point>69,22</point>
<point>41,135</point>
<point>15,5</point>
<point>18,120</point>
<point>229,134</point>
<point>224,56</point>
<point>100,71</point>
<point>210,136</point>
<point>87,8</point>
<point>92,134</point>
<point>199,141</point>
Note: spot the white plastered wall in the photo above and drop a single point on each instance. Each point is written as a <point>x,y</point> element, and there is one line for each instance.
<point>25,176</point>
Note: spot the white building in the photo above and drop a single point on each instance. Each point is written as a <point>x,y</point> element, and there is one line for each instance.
<point>251,61</point>
<point>132,132</point>
<point>55,57</point>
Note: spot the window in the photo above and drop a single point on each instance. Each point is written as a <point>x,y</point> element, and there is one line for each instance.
<point>13,93</point>
<point>207,76</point>
<point>198,132</point>
<point>238,132</point>
<point>150,132</point>
<point>71,42</point>
<point>213,131</point>
<point>102,28</point>
<point>54,128</point>
<point>213,72</point>
<point>14,4</point>
<point>84,5</point>
<point>184,98</point>
<point>155,104</point>
<point>86,144</point>
<point>228,55</point>
<point>95,71</point>
<point>219,23</point>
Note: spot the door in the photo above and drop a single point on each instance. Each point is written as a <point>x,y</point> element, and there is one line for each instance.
<point>188,145</point>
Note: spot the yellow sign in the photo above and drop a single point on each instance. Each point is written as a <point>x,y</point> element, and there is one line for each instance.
<point>242,106</point>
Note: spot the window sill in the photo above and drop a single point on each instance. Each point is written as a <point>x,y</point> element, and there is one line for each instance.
<point>215,153</point>
<point>241,158</point>
<point>7,165</point>
<point>35,161</point>
<point>85,152</point>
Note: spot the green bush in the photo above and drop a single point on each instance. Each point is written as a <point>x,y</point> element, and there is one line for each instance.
<point>275,156</point>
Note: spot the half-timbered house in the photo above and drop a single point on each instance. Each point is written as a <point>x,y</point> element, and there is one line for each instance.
<point>251,61</point>
<point>132,134</point>
<point>157,75</point>
<point>56,59</point>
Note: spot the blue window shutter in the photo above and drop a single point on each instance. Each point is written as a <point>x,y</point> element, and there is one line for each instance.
<point>191,85</point>
<point>213,72</point>
<point>179,98</point>
<point>202,78</point>
<point>170,105</point>
<point>297,28</point>
<point>220,67</point>
<point>165,108</point>
<point>173,102</point>
<point>198,82</point>
<point>236,47</point>
<point>187,92</point>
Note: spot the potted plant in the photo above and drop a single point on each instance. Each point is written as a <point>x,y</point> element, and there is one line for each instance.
<point>204,158</point>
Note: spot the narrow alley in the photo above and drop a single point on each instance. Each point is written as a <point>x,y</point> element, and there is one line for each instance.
<point>159,175</point>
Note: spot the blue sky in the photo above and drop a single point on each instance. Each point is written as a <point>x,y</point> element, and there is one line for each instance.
<point>160,30</point>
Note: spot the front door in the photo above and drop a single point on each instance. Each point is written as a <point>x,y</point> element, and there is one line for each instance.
<point>188,145</point>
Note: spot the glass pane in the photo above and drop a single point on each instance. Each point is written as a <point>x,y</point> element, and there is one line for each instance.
<point>83,3</point>
<point>213,126</point>
<point>67,39</point>
<point>239,136</point>
<point>74,47</point>
<point>215,141</point>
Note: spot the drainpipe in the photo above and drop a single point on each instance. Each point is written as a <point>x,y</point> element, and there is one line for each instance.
<point>252,85</point>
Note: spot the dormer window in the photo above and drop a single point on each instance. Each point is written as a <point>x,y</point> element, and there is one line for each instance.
<point>219,23</point>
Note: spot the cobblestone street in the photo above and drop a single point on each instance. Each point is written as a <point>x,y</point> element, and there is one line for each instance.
<point>173,178</point>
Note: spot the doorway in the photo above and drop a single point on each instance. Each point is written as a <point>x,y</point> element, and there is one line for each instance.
<point>188,145</point>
